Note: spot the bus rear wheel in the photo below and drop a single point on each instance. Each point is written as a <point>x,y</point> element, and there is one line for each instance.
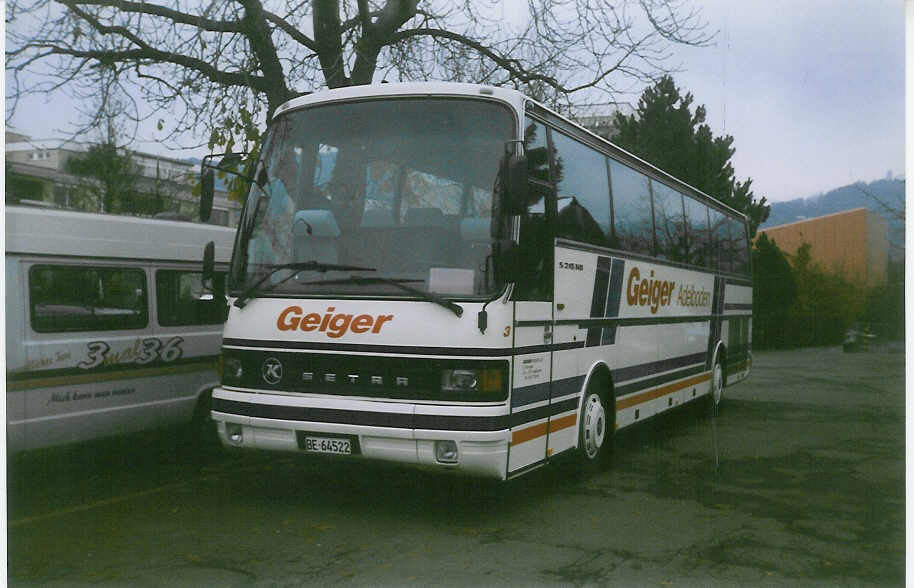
<point>717,387</point>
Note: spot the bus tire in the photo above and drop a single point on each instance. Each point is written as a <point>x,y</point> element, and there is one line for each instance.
<point>596,431</point>
<point>716,394</point>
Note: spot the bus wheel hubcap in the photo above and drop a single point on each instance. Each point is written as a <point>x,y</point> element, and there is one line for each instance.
<point>594,425</point>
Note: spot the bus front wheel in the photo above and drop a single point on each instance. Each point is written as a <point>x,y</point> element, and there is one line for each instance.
<point>595,434</point>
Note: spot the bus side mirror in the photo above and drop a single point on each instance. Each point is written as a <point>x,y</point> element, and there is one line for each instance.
<point>207,188</point>
<point>228,163</point>
<point>507,261</point>
<point>209,263</point>
<point>516,185</point>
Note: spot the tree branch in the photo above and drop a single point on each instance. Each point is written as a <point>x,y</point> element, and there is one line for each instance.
<point>139,56</point>
<point>295,34</point>
<point>512,66</point>
<point>206,24</point>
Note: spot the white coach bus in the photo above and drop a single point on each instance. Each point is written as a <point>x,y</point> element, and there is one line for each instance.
<point>109,328</point>
<point>454,276</point>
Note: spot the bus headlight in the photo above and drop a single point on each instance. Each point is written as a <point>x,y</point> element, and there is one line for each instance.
<point>473,384</point>
<point>232,370</point>
<point>460,380</point>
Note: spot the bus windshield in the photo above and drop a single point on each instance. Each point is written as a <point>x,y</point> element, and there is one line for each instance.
<point>398,190</point>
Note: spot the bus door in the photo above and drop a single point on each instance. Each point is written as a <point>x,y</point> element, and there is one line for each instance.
<point>533,325</point>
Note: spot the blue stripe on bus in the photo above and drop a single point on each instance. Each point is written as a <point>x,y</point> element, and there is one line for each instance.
<point>598,300</point>
<point>664,365</point>
<point>614,300</point>
<point>640,385</point>
<point>527,395</point>
<point>540,392</point>
<point>391,420</point>
<point>607,294</point>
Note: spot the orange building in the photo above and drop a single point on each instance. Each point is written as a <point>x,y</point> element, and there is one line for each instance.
<point>853,243</point>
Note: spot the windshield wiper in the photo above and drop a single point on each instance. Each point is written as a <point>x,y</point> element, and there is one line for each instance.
<point>312,265</point>
<point>428,296</point>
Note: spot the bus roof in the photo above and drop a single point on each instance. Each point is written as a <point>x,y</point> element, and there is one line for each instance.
<point>453,89</point>
<point>40,231</point>
<point>513,97</point>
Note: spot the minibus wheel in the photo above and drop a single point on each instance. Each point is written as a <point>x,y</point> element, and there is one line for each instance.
<point>201,439</point>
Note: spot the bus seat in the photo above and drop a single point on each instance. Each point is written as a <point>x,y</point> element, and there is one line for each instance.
<point>377,218</point>
<point>431,237</point>
<point>424,217</point>
<point>476,228</point>
<point>315,236</point>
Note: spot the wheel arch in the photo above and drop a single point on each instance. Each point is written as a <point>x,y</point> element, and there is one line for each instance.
<point>203,400</point>
<point>600,375</point>
<point>720,354</point>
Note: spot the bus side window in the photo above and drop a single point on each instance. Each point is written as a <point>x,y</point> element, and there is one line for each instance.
<point>536,150</point>
<point>632,219</point>
<point>720,241</point>
<point>697,232</point>
<point>669,223</point>
<point>740,246</point>
<point>582,191</point>
<point>182,299</point>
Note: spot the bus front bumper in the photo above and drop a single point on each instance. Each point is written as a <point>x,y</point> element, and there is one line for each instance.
<point>467,452</point>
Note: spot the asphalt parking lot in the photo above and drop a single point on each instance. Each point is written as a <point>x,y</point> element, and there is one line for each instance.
<point>798,481</point>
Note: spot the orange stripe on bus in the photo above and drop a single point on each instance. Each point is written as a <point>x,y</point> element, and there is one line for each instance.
<point>524,435</point>
<point>662,391</point>
<point>563,423</point>
<point>530,433</point>
<point>541,429</point>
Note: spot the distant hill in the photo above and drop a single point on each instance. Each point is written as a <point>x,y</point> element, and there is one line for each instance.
<point>857,195</point>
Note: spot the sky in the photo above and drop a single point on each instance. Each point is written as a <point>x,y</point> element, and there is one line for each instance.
<point>811,90</point>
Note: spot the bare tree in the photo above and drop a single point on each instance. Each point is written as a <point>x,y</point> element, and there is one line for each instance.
<point>224,66</point>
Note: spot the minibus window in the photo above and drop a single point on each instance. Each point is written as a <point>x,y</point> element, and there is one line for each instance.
<point>182,299</point>
<point>75,298</point>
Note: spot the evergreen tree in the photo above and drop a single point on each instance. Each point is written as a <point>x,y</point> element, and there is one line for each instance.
<point>108,175</point>
<point>826,304</point>
<point>773,293</point>
<point>664,131</point>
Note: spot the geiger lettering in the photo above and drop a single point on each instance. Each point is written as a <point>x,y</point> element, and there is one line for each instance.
<point>334,324</point>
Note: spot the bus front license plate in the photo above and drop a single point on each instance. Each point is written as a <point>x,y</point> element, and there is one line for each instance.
<point>327,445</point>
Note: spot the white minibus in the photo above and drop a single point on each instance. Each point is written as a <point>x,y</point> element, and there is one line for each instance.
<point>110,328</point>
